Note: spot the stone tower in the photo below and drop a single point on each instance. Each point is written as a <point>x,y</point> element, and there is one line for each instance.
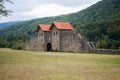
<point>59,36</point>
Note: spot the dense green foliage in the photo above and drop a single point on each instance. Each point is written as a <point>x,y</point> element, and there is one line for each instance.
<point>99,23</point>
<point>7,24</point>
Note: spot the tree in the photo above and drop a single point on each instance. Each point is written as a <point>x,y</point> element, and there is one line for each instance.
<point>3,10</point>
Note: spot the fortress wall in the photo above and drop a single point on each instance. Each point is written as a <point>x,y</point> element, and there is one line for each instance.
<point>47,39</point>
<point>55,39</point>
<point>58,39</point>
<point>69,41</point>
<point>32,44</point>
<point>40,41</point>
<point>61,40</point>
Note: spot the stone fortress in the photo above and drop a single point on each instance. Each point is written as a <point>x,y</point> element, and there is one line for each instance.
<point>59,36</point>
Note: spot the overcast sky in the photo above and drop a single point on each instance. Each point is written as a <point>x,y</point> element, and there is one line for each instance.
<point>30,9</point>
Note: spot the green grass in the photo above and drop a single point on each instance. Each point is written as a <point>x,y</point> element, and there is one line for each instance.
<point>34,65</point>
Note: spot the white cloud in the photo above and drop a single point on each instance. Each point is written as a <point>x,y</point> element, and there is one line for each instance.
<point>29,9</point>
<point>51,10</point>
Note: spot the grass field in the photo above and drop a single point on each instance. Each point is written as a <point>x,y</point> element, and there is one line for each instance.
<point>34,65</point>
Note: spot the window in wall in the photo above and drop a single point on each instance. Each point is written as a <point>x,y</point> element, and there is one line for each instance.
<point>56,32</point>
<point>42,34</point>
<point>73,35</point>
<point>39,33</point>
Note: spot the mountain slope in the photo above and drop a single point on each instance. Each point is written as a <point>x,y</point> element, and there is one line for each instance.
<point>99,23</point>
<point>7,24</point>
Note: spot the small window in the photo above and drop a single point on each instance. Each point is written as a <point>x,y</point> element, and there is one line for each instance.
<point>73,35</point>
<point>39,33</point>
<point>42,34</point>
<point>56,32</point>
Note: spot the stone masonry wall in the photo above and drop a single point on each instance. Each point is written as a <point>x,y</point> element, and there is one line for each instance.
<point>69,41</point>
<point>60,40</point>
<point>41,42</point>
<point>47,38</point>
<point>55,39</point>
<point>31,45</point>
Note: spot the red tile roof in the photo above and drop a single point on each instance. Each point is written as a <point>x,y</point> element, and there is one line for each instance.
<point>44,27</point>
<point>58,25</point>
<point>62,25</point>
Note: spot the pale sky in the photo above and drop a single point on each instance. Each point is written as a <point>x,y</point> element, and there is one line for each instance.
<point>31,9</point>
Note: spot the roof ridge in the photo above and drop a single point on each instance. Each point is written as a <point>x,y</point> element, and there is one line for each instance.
<point>45,24</point>
<point>63,25</point>
<point>61,22</point>
<point>44,27</point>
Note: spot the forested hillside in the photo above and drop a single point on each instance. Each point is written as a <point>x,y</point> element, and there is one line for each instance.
<point>7,24</point>
<point>99,23</point>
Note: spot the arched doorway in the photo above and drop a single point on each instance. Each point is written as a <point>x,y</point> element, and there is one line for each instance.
<point>49,47</point>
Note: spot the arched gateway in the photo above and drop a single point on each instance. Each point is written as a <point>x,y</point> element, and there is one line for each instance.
<point>49,47</point>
